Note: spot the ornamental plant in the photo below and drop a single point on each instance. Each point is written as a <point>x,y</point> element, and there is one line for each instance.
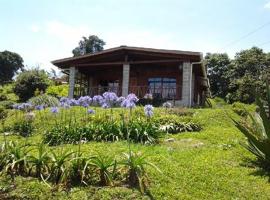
<point>256,127</point>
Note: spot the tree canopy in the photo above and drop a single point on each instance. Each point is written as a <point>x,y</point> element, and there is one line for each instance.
<point>30,82</point>
<point>10,63</point>
<point>237,79</point>
<point>91,44</point>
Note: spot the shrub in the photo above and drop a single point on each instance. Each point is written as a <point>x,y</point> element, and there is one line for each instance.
<point>45,100</point>
<point>30,81</point>
<point>181,112</point>
<point>7,104</point>
<point>239,108</point>
<point>257,130</point>
<point>24,127</point>
<point>178,127</point>
<point>138,131</point>
<point>7,94</point>
<point>57,90</point>
<point>136,173</point>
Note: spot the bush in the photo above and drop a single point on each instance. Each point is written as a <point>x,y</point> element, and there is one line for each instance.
<point>257,130</point>
<point>24,127</point>
<point>138,131</point>
<point>30,81</point>
<point>7,104</point>
<point>44,99</point>
<point>7,94</point>
<point>178,127</point>
<point>239,108</point>
<point>57,90</point>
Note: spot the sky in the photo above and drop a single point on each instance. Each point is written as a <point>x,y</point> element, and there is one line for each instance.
<point>45,30</point>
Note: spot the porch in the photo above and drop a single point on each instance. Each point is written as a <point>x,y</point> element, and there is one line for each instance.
<point>172,75</point>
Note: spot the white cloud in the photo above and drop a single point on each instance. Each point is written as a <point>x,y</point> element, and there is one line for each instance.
<point>34,28</point>
<point>66,32</point>
<point>267,5</point>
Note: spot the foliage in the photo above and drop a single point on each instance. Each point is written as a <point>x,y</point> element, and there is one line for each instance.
<point>30,81</point>
<point>24,127</point>
<point>237,79</point>
<point>45,100</point>
<point>106,167</point>
<point>10,63</point>
<point>178,127</point>
<point>239,108</point>
<point>7,94</point>
<point>137,176</point>
<point>257,130</point>
<point>218,67</point>
<point>185,163</point>
<point>138,131</point>
<point>92,44</point>
<point>7,104</point>
<point>57,90</point>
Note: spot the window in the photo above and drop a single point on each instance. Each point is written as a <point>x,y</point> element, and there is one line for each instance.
<point>162,87</point>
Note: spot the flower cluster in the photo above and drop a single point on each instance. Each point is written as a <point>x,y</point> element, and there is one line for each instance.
<point>130,101</point>
<point>149,110</point>
<point>107,100</point>
<point>24,106</point>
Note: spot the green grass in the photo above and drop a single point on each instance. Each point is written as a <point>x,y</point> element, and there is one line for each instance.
<point>210,164</point>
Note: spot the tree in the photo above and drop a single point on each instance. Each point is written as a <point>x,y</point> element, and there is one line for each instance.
<point>91,44</point>
<point>249,71</point>
<point>218,67</point>
<point>10,63</point>
<point>30,81</point>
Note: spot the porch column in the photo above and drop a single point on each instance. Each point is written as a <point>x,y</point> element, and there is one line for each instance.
<point>72,72</point>
<point>125,80</point>
<point>187,84</point>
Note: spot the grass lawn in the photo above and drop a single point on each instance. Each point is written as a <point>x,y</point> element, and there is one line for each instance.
<point>210,164</point>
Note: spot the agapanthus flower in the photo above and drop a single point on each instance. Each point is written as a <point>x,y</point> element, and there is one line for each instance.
<point>84,100</point>
<point>167,104</point>
<point>120,100</point>
<point>25,106</point>
<point>16,106</point>
<point>110,97</point>
<point>90,111</point>
<point>65,100</point>
<point>149,110</point>
<point>105,105</point>
<point>54,110</point>
<point>97,100</point>
<point>132,97</point>
<point>39,107</point>
<point>74,102</point>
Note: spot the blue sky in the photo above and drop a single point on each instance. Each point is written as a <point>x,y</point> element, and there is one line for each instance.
<point>41,31</point>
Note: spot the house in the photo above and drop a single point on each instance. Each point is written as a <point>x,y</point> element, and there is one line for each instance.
<point>179,76</point>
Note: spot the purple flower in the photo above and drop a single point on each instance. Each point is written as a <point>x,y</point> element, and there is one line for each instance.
<point>149,110</point>
<point>15,106</point>
<point>54,110</point>
<point>97,100</point>
<point>84,100</point>
<point>25,106</point>
<point>90,111</point>
<point>65,105</point>
<point>105,105</point>
<point>64,100</point>
<point>132,97</point>
<point>120,100</point>
<point>74,102</point>
<point>39,107</point>
<point>85,105</point>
